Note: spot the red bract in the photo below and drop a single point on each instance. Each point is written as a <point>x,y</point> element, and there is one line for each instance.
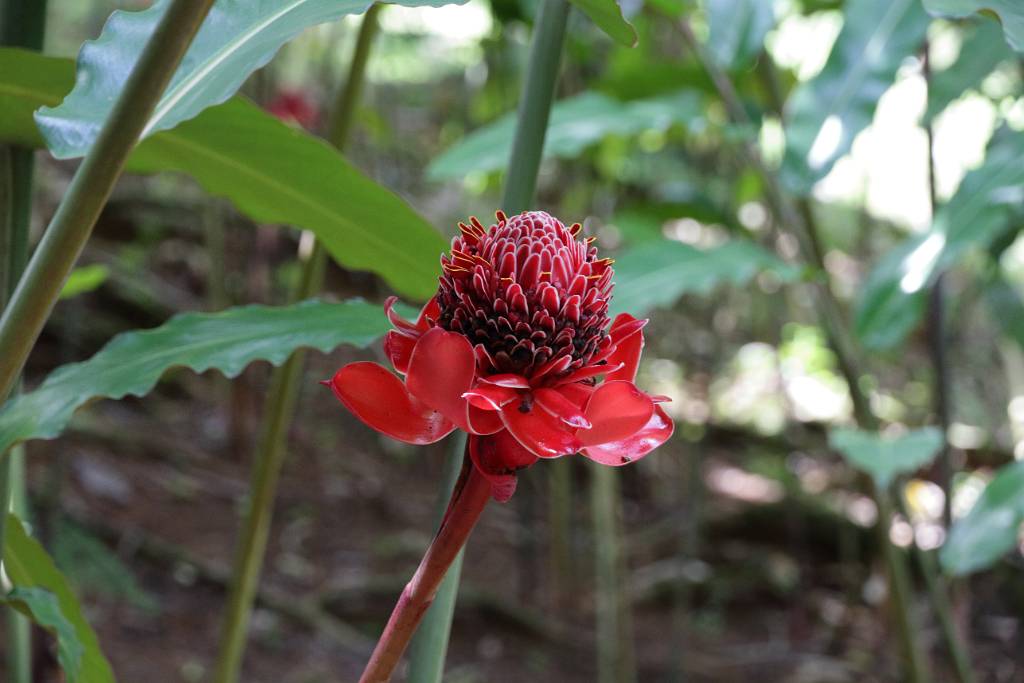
<point>511,350</point>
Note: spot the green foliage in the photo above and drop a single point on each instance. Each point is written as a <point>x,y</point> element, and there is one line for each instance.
<point>655,274</point>
<point>237,37</point>
<point>826,113</point>
<point>29,568</point>
<point>42,607</point>
<point>737,29</point>
<point>893,297</point>
<point>886,457</point>
<point>608,16</point>
<point>84,279</point>
<point>990,529</point>
<point>575,124</point>
<point>1010,13</point>
<point>133,362</point>
<point>1006,306</point>
<point>981,51</point>
<point>272,172</point>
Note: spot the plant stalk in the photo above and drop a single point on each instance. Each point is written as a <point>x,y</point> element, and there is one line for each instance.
<point>40,286</point>
<point>283,393</point>
<point>468,502</point>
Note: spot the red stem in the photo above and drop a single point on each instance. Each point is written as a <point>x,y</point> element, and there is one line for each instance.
<point>469,499</point>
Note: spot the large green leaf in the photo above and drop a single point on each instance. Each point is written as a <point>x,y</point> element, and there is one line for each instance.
<point>655,274</point>
<point>608,16</point>
<point>885,457</point>
<point>825,114</point>
<point>575,124</point>
<point>43,607</point>
<point>132,362</point>
<point>237,37</point>
<point>992,526</point>
<point>981,51</point>
<point>272,172</point>
<point>29,568</point>
<point>737,29</point>
<point>893,296</point>
<point>1010,13</point>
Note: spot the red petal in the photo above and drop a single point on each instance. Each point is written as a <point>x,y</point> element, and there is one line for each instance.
<point>656,432</point>
<point>507,380</point>
<point>430,312</point>
<point>578,393</point>
<point>539,432</point>
<point>441,370</point>
<point>561,407</point>
<point>627,351</point>
<point>497,458</point>
<point>398,347</point>
<point>617,410</point>
<point>490,396</point>
<point>624,326</point>
<point>484,421</point>
<point>379,399</point>
<point>588,372</point>
<point>397,320</point>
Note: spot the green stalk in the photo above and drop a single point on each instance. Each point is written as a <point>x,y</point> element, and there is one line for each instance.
<point>90,188</point>
<point>559,528</point>
<point>282,397</point>
<point>430,643</point>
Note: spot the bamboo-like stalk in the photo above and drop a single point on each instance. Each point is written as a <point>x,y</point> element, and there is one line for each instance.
<point>281,402</point>
<point>40,286</point>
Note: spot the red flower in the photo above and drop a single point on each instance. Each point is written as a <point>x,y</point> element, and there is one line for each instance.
<point>510,351</point>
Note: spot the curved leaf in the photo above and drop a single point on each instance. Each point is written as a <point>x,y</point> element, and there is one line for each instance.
<point>893,296</point>
<point>981,51</point>
<point>608,16</point>
<point>884,457</point>
<point>237,37</point>
<point>575,124</point>
<point>42,607</point>
<point>655,274</point>
<point>992,526</point>
<point>736,30</point>
<point>132,362</point>
<point>1010,13</point>
<point>826,113</point>
<point>29,568</point>
<point>272,172</point>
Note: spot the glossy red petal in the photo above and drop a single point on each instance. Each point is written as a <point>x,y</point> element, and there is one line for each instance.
<point>397,320</point>
<point>578,393</point>
<point>627,351</point>
<point>484,421</point>
<point>441,370</point>
<point>616,410</point>
<point>539,432</point>
<point>490,396</point>
<point>656,432</point>
<point>624,326</point>
<point>588,372</point>
<point>379,399</point>
<point>507,380</point>
<point>398,348</point>
<point>428,314</point>
<point>498,457</point>
<point>561,407</point>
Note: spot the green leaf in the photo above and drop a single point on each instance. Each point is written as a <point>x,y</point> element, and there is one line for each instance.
<point>132,362</point>
<point>825,114</point>
<point>29,567</point>
<point>737,29</point>
<point>990,529</point>
<point>885,457</point>
<point>893,296</point>
<point>608,16</point>
<point>1010,13</point>
<point>981,51</point>
<point>237,37</point>
<point>272,173</point>
<point>655,274</point>
<point>1006,306</point>
<point>575,124</point>
<point>42,607</point>
<point>84,279</point>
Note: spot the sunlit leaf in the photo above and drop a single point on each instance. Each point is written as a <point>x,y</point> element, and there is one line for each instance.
<point>608,16</point>
<point>656,274</point>
<point>737,29</point>
<point>1010,13</point>
<point>132,363</point>
<point>992,526</point>
<point>893,296</point>
<point>84,279</point>
<point>237,37</point>
<point>982,50</point>
<point>43,608</point>
<point>885,457</point>
<point>29,568</point>
<point>575,124</point>
<point>272,172</point>
<point>825,114</point>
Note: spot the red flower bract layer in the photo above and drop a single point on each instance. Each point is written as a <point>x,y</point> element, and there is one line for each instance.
<point>510,350</point>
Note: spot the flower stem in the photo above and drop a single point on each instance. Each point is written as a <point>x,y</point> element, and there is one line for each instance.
<point>40,286</point>
<point>468,502</point>
<point>279,410</point>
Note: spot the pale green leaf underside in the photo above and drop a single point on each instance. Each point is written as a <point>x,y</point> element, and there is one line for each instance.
<point>1010,13</point>
<point>991,528</point>
<point>884,457</point>
<point>228,341</point>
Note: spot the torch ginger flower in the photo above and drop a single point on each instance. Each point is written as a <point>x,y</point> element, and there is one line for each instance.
<point>509,351</point>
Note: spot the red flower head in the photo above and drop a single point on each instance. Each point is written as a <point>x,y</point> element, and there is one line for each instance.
<point>510,350</point>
